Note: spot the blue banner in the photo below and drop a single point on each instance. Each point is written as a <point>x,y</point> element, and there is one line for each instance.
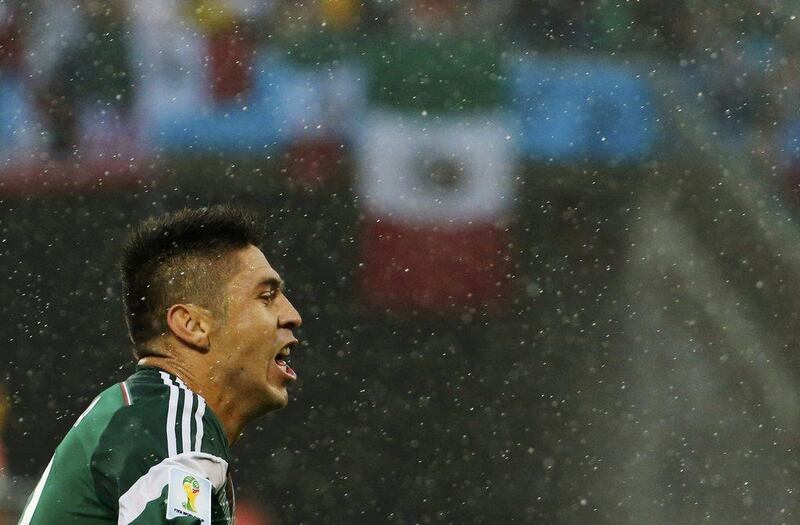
<point>574,109</point>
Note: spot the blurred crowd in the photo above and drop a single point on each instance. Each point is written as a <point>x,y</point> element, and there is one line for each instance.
<point>740,56</point>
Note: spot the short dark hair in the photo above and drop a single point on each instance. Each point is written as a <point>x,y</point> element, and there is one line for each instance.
<point>179,257</point>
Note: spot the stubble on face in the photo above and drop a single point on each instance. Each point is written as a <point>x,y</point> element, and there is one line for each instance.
<point>256,327</point>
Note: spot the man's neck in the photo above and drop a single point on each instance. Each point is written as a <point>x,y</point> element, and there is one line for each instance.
<point>213,390</point>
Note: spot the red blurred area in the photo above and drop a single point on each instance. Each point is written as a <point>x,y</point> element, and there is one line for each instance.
<point>435,268</point>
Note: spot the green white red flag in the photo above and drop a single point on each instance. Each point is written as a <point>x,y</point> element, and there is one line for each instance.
<point>436,193</point>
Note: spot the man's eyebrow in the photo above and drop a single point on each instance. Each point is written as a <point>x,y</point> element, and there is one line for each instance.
<point>272,282</point>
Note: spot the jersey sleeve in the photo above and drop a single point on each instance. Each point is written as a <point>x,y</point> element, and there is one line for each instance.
<point>178,489</point>
<point>141,468</point>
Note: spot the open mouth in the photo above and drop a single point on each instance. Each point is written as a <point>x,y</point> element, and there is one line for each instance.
<point>282,360</point>
<point>283,355</point>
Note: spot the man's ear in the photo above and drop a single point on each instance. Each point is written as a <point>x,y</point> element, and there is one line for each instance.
<point>191,324</point>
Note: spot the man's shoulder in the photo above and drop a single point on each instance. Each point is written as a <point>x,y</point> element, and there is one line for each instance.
<point>124,448</point>
<point>163,426</point>
<point>162,417</point>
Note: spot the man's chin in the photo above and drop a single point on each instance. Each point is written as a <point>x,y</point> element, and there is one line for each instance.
<point>275,398</point>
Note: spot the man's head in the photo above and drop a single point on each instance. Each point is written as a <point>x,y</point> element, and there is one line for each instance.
<point>180,258</point>
<point>198,290</point>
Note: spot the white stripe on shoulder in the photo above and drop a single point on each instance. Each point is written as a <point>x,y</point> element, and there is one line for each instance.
<point>150,486</point>
<point>85,412</point>
<point>186,420</point>
<point>199,412</point>
<point>37,493</point>
<point>198,417</point>
<point>172,414</point>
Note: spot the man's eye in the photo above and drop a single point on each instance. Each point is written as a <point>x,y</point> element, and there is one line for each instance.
<point>268,296</point>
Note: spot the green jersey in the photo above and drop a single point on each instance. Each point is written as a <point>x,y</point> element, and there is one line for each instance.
<point>147,450</point>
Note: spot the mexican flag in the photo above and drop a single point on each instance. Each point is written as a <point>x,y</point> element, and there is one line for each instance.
<point>436,193</point>
<point>435,175</point>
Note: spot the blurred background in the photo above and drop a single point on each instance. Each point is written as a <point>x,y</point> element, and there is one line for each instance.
<point>546,252</point>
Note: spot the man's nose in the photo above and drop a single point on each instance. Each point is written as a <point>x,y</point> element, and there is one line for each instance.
<point>289,316</point>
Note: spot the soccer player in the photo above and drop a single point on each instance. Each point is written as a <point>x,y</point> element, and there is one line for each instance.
<point>212,331</point>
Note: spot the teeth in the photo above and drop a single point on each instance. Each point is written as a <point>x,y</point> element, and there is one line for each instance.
<point>284,353</point>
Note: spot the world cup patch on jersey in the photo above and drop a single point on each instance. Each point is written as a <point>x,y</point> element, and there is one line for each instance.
<point>189,494</point>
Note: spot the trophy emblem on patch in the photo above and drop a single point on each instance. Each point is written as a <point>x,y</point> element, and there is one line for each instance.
<point>192,488</point>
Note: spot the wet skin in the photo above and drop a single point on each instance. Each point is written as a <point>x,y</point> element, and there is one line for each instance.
<point>258,325</point>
